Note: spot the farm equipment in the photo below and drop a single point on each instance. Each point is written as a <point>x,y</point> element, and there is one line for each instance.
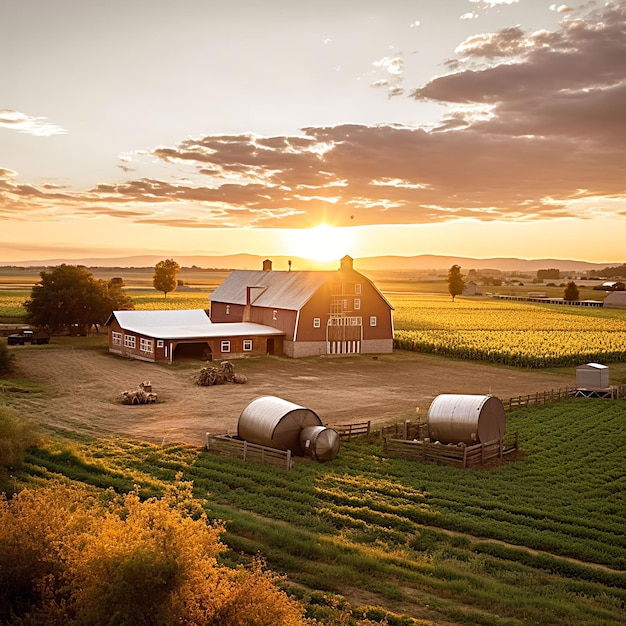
<point>219,375</point>
<point>142,395</point>
<point>26,335</point>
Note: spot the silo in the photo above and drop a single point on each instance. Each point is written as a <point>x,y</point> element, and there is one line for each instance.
<point>320,442</point>
<point>275,423</point>
<point>469,419</point>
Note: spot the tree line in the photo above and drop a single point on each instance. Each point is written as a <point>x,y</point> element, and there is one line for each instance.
<point>68,299</point>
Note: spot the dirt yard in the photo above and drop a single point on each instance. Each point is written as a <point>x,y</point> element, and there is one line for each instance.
<point>84,390</point>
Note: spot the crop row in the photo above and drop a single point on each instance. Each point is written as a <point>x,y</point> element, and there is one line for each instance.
<point>511,334</point>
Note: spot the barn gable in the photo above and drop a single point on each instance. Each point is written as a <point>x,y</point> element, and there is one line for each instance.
<point>615,300</point>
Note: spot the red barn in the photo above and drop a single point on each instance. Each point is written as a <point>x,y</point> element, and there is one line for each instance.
<point>326,312</point>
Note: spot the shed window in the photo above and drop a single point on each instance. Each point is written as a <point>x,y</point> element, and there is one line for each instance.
<point>225,346</point>
<point>228,309</point>
<point>159,343</point>
<point>146,345</point>
<point>247,345</point>
<point>372,320</point>
<point>357,304</point>
<point>357,288</point>
<point>317,322</point>
<point>130,341</point>
<point>116,338</point>
<point>274,314</point>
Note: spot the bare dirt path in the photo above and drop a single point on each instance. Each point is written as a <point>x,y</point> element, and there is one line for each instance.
<point>84,390</point>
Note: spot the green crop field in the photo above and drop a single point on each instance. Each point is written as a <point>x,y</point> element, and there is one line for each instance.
<point>537,540</point>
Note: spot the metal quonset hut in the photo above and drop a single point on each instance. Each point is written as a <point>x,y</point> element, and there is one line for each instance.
<point>469,419</point>
<point>277,423</point>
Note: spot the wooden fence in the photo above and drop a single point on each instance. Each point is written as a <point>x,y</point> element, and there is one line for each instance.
<point>348,431</point>
<point>540,397</point>
<point>226,445</point>
<point>553,395</point>
<point>405,430</point>
<point>449,454</point>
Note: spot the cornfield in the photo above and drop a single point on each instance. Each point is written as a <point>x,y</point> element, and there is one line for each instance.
<point>512,334</point>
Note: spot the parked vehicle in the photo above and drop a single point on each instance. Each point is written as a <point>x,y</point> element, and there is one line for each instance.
<point>26,335</point>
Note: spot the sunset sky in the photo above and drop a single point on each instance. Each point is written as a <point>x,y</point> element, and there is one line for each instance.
<point>477,128</point>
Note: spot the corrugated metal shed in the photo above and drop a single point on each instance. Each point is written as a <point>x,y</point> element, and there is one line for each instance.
<point>592,376</point>
<point>281,290</point>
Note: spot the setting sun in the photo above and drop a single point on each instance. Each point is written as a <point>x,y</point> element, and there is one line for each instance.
<point>321,243</point>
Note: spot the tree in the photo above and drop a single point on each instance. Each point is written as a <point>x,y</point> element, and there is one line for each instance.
<point>164,278</point>
<point>456,284</point>
<point>571,291</point>
<point>72,555</point>
<point>69,298</point>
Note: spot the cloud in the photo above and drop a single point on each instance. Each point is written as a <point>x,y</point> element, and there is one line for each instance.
<point>537,132</point>
<point>30,125</point>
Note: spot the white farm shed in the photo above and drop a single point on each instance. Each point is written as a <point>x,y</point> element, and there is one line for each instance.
<point>592,376</point>
<point>168,335</point>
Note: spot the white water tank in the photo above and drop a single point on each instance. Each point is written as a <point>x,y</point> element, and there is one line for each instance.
<point>469,419</point>
<point>319,442</point>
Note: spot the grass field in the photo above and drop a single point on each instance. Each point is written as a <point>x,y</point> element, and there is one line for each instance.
<point>535,541</point>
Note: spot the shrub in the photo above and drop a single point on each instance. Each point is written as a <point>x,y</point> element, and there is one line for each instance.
<point>16,436</point>
<point>76,556</point>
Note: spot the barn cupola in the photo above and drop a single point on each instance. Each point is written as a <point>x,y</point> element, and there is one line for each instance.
<point>267,265</point>
<point>347,263</point>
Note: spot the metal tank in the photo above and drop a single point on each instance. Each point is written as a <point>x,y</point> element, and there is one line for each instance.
<point>275,423</point>
<point>469,419</point>
<point>319,442</point>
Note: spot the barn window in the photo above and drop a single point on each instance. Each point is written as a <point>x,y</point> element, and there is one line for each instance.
<point>372,320</point>
<point>317,322</point>
<point>357,288</point>
<point>228,309</point>
<point>345,304</point>
<point>357,304</point>
<point>274,314</point>
<point>159,343</point>
<point>247,345</point>
<point>146,345</point>
<point>225,346</point>
<point>130,341</point>
<point>116,338</point>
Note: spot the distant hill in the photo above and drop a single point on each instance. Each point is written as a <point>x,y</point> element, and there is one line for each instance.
<point>422,262</point>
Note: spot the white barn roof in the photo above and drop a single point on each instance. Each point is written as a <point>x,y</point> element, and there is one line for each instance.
<point>185,324</point>
<point>281,290</point>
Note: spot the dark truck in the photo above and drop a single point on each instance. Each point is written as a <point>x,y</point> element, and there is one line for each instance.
<point>26,335</point>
